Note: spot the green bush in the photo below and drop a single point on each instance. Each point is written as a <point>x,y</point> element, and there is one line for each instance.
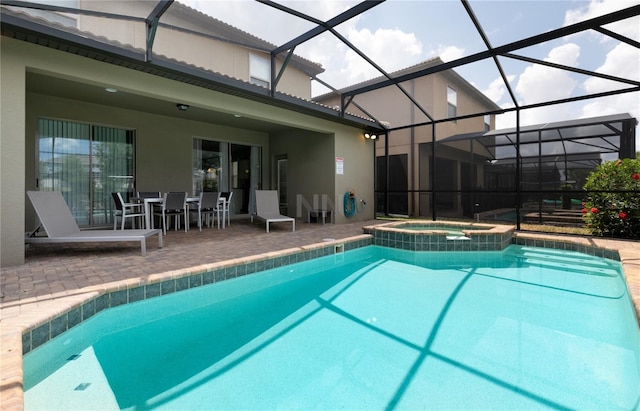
<point>611,214</point>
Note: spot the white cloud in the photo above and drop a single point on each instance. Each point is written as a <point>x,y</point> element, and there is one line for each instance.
<point>391,49</point>
<point>622,61</point>
<point>539,83</point>
<point>628,27</point>
<point>506,120</point>
<point>448,53</point>
<point>274,26</point>
<point>395,48</point>
<point>497,89</point>
<point>623,103</point>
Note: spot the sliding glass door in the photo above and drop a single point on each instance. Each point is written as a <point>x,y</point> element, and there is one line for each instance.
<point>220,166</point>
<point>86,163</point>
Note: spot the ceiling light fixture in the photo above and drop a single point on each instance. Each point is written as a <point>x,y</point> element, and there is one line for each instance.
<point>182,107</point>
<point>111,90</point>
<point>370,136</point>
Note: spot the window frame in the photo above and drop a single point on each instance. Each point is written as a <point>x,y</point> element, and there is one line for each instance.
<point>257,73</point>
<point>452,102</point>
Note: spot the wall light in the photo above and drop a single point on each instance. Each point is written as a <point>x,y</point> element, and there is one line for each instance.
<point>182,107</point>
<point>370,136</point>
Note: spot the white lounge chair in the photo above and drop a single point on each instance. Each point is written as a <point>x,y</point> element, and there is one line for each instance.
<point>268,209</point>
<point>61,227</point>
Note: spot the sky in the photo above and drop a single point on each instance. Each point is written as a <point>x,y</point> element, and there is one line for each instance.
<point>400,33</point>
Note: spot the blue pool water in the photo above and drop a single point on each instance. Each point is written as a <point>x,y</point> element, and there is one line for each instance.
<point>372,328</point>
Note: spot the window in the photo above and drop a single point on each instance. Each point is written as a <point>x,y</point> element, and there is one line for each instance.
<point>86,163</point>
<point>223,167</point>
<point>208,172</point>
<point>487,122</point>
<point>259,70</point>
<point>452,102</point>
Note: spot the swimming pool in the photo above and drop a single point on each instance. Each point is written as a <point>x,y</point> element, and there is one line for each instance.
<point>372,328</point>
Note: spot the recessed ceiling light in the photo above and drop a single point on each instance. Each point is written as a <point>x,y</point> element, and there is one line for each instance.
<point>111,90</point>
<point>237,115</point>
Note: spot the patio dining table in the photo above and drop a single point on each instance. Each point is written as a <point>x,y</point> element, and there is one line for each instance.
<point>150,201</point>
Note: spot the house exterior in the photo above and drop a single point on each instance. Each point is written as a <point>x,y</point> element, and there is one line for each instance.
<point>197,39</point>
<point>424,100</point>
<point>86,109</point>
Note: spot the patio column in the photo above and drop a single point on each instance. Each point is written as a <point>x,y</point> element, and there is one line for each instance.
<point>12,156</point>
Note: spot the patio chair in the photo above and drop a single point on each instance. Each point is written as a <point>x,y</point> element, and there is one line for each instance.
<point>174,204</point>
<point>226,211</point>
<point>268,209</point>
<point>207,208</point>
<point>126,210</point>
<point>60,226</point>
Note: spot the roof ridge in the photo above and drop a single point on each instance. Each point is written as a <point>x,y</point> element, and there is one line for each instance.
<point>382,77</point>
<point>253,36</point>
<point>70,29</point>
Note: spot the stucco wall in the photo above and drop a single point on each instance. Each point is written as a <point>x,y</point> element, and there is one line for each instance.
<point>392,105</point>
<point>309,168</point>
<point>163,142</point>
<point>207,52</point>
<point>358,155</point>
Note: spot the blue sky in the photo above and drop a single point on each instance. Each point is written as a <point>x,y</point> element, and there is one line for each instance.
<point>400,33</point>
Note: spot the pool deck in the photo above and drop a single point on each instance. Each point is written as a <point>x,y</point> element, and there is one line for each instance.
<point>57,277</point>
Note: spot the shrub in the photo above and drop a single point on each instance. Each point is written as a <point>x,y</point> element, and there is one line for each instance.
<point>614,214</point>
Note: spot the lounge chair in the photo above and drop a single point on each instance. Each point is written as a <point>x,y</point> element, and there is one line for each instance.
<point>268,209</point>
<point>60,226</point>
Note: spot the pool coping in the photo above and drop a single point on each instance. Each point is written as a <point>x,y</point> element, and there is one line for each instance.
<point>476,236</point>
<point>41,321</point>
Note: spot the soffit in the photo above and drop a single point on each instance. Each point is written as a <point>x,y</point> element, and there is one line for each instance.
<point>68,89</point>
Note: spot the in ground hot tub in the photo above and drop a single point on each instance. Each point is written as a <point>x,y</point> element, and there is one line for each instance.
<point>425,235</point>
